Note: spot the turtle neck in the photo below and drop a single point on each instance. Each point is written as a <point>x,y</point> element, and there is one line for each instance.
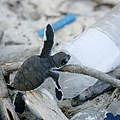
<point>51,61</point>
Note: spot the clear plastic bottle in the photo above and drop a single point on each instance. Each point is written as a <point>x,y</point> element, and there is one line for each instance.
<point>99,46</point>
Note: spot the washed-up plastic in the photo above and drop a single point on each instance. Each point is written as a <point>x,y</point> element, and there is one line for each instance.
<point>67,19</point>
<point>99,46</point>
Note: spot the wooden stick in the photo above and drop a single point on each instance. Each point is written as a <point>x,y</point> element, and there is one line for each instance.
<point>43,106</point>
<point>6,108</point>
<point>81,69</point>
<point>10,67</point>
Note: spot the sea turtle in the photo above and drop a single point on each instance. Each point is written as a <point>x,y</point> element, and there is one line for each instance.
<point>34,71</point>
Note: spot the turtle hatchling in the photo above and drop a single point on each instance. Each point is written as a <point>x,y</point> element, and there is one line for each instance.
<point>34,71</point>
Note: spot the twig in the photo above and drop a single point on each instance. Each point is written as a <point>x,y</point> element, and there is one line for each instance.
<point>81,69</point>
<point>11,67</point>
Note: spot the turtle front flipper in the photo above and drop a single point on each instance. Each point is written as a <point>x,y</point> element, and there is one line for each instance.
<point>59,94</point>
<point>58,90</point>
<point>48,44</point>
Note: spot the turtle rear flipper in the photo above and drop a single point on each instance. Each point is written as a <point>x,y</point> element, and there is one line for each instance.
<point>19,103</point>
<point>48,44</point>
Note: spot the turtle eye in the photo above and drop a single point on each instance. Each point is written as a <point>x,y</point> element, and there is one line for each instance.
<point>63,62</point>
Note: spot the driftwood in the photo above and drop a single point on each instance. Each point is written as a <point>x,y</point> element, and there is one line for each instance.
<point>42,105</point>
<point>98,88</point>
<point>10,67</point>
<point>6,108</point>
<point>80,69</point>
<point>91,92</point>
<point>106,83</point>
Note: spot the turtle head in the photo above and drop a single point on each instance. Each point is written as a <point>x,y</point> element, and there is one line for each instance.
<point>60,59</point>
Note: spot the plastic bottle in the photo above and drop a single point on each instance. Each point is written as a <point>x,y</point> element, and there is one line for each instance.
<point>99,46</point>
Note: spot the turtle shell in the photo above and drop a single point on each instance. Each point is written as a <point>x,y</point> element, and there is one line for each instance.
<point>32,73</point>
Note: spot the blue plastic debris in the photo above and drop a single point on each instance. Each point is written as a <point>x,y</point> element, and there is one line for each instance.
<point>59,24</point>
<point>110,116</point>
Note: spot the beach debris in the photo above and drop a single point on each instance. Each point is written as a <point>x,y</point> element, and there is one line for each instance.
<point>91,72</point>
<point>6,108</point>
<point>42,104</point>
<point>98,88</point>
<point>59,24</point>
<point>103,87</point>
<point>90,47</point>
<point>81,69</point>
<point>23,16</point>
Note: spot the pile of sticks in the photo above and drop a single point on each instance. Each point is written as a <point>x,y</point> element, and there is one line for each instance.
<point>6,108</point>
